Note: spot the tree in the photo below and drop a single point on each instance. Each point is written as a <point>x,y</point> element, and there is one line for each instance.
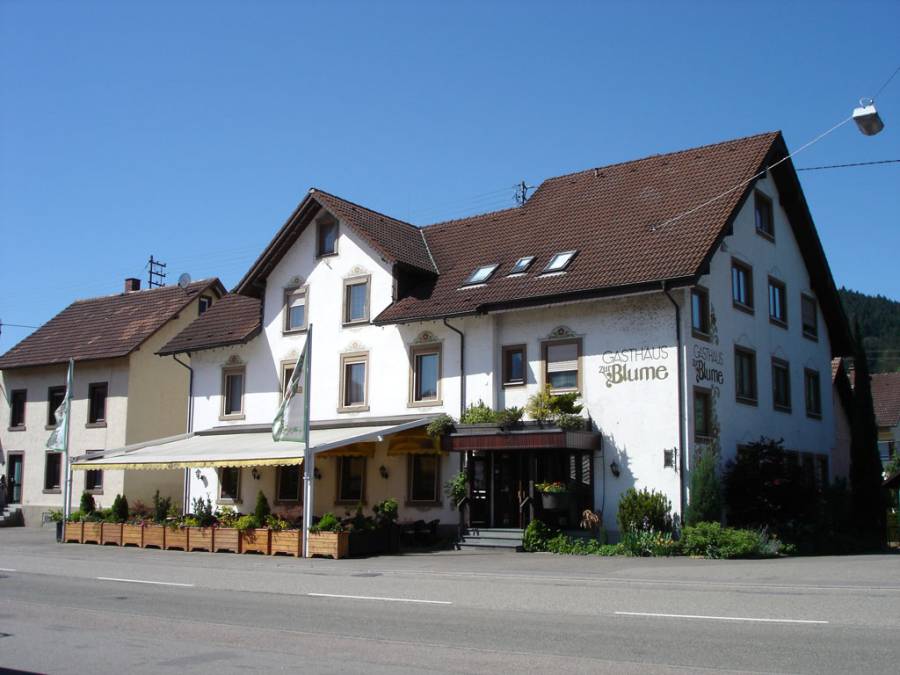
<point>867,496</point>
<point>706,491</point>
<point>262,509</point>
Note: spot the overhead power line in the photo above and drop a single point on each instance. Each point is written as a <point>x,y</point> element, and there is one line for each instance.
<point>844,166</point>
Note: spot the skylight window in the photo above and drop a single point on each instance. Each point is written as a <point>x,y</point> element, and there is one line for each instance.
<point>522,265</point>
<point>480,275</point>
<point>560,261</point>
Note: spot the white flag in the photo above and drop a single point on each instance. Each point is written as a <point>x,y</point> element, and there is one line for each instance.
<point>58,438</point>
<point>292,421</point>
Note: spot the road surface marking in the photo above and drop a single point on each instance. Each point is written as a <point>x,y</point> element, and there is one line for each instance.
<point>369,597</point>
<point>6,569</point>
<point>143,581</point>
<point>718,618</point>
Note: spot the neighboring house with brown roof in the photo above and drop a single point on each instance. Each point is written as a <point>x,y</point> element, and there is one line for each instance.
<point>123,392</point>
<point>886,399</point>
<point>688,301</point>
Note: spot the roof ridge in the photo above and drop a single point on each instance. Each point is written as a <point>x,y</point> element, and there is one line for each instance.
<point>314,190</point>
<point>206,281</point>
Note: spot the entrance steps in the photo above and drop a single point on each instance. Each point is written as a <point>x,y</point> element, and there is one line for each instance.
<point>11,516</point>
<point>492,537</point>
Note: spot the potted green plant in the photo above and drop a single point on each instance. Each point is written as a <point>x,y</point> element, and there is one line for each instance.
<point>457,488</point>
<point>155,530</point>
<point>227,537</point>
<point>386,513</point>
<point>200,525</point>
<point>554,495</point>
<point>283,538</point>
<point>133,528</point>
<point>327,537</point>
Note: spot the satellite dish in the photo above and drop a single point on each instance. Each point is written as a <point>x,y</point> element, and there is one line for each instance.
<point>184,280</point>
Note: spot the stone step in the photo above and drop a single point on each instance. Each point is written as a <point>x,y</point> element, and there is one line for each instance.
<point>507,544</point>
<point>493,534</point>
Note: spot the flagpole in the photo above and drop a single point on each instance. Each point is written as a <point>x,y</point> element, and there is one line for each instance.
<point>308,468</point>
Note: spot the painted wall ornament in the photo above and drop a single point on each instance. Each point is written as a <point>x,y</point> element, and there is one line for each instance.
<point>355,347</point>
<point>234,360</point>
<point>425,337</point>
<point>561,332</point>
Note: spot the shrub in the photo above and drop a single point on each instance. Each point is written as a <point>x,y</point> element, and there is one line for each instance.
<point>88,505</point>
<point>262,510</point>
<point>440,425</point>
<point>246,522</point>
<point>75,516</point>
<point>478,413</point>
<point>190,521</point>
<point>564,404</point>
<point>56,515</point>
<point>277,523</point>
<point>706,491</point>
<point>386,512</point>
<point>203,511</point>
<point>510,417</point>
<point>327,523</point>
<point>536,536</point>
<point>647,541</point>
<point>570,422</point>
<point>161,507</point>
<point>540,406</point>
<point>120,509</point>
<point>456,488</point>
<point>643,510</point>
<point>139,510</point>
<point>227,516</point>
<point>711,540</point>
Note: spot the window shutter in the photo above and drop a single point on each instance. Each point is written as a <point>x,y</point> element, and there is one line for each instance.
<point>562,358</point>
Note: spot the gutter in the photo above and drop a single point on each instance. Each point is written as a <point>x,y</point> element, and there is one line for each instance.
<point>682,429</point>
<point>462,367</point>
<point>186,494</point>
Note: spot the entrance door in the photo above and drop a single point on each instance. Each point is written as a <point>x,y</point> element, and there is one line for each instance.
<point>14,479</point>
<point>507,489</point>
<point>480,480</point>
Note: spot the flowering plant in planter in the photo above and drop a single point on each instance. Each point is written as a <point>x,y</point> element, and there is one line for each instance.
<point>552,487</point>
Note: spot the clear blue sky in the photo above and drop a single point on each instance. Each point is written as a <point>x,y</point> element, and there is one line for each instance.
<point>190,130</point>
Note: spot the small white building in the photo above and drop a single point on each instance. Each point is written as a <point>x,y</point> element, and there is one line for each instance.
<point>681,326</point>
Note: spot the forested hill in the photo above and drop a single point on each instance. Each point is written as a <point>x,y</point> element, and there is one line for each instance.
<point>879,323</point>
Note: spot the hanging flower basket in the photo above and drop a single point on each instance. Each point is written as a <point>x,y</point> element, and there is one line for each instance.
<point>554,495</point>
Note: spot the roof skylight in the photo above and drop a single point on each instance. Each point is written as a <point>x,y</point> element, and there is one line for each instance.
<point>481,275</point>
<point>522,265</point>
<point>560,261</point>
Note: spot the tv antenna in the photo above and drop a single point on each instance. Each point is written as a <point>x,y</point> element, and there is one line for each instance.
<point>156,275</point>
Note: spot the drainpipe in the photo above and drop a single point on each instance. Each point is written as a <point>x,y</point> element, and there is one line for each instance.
<point>462,400</point>
<point>190,427</point>
<point>681,426</point>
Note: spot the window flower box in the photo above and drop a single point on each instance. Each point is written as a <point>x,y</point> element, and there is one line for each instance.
<point>227,539</point>
<point>255,540</point>
<point>176,538</point>
<point>111,533</point>
<point>74,532</point>
<point>133,534</point>
<point>330,544</point>
<point>289,542</point>
<point>201,539</point>
<point>155,535</point>
<point>92,532</point>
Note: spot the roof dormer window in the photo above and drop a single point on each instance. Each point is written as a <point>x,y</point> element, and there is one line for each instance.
<point>522,265</point>
<point>481,275</point>
<point>559,262</point>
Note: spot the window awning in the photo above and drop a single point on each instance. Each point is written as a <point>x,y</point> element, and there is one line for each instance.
<point>233,446</point>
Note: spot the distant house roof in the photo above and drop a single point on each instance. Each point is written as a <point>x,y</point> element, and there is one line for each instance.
<point>104,328</point>
<point>618,218</point>
<point>397,241</point>
<point>886,397</point>
<point>235,319</point>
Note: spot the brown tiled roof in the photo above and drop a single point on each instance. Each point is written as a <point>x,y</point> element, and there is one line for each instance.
<point>886,397</point>
<point>234,319</point>
<point>607,215</point>
<point>104,328</point>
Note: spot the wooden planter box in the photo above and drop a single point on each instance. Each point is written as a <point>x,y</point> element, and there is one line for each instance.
<point>227,539</point>
<point>200,539</point>
<point>91,533</point>
<point>176,537</point>
<point>111,533</point>
<point>154,535</point>
<point>74,532</point>
<point>286,541</point>
<point>330,544</point>
<point>132,535</point>
<point>255,541</point>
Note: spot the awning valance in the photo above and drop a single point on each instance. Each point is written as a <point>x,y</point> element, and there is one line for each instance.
<point>222,447</point>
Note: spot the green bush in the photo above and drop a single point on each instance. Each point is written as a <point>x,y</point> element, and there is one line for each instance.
<point>277,523</point>
<point>246,522</point>
<point>478,413</point>
<point>510,417</point>
<point>647,541</point>
<point>644,510</point>
<point>203,511</point>
<point>161,507</point>
<point>88,505</point>
<point>120,509</point>
<point>711,540</point>
<point>456,488</point>
<point>570,422</point>
<point>262,510</point>
<point>386,512</point>
<point>564,404</point>
<point>706,491</point>
<point>327,523</point>
<point>440,425</point>
<point>536,536</point>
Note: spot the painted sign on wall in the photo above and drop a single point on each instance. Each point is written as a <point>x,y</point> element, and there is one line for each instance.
<point>637,364</point>
<point>709,365</point>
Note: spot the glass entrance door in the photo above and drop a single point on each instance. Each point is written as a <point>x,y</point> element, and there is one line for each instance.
<point>14,479</point>
<point>507,489</point>
<point>480,480</point>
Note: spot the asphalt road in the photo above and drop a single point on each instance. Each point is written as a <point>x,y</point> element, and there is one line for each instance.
<point>81,608</point>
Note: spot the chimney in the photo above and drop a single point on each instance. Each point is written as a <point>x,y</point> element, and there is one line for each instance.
<point>132,284</point>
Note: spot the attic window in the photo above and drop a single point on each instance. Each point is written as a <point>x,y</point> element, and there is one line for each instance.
<point>481,275</point>
<point>560,261</point>
<point>522,265</point>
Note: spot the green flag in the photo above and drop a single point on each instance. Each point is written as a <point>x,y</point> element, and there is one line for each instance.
<point>59,438</point>
<point>292,421</point>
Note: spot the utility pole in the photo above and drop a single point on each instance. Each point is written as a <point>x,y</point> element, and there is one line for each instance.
<point>522,193</point>
<point>156,275</point>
